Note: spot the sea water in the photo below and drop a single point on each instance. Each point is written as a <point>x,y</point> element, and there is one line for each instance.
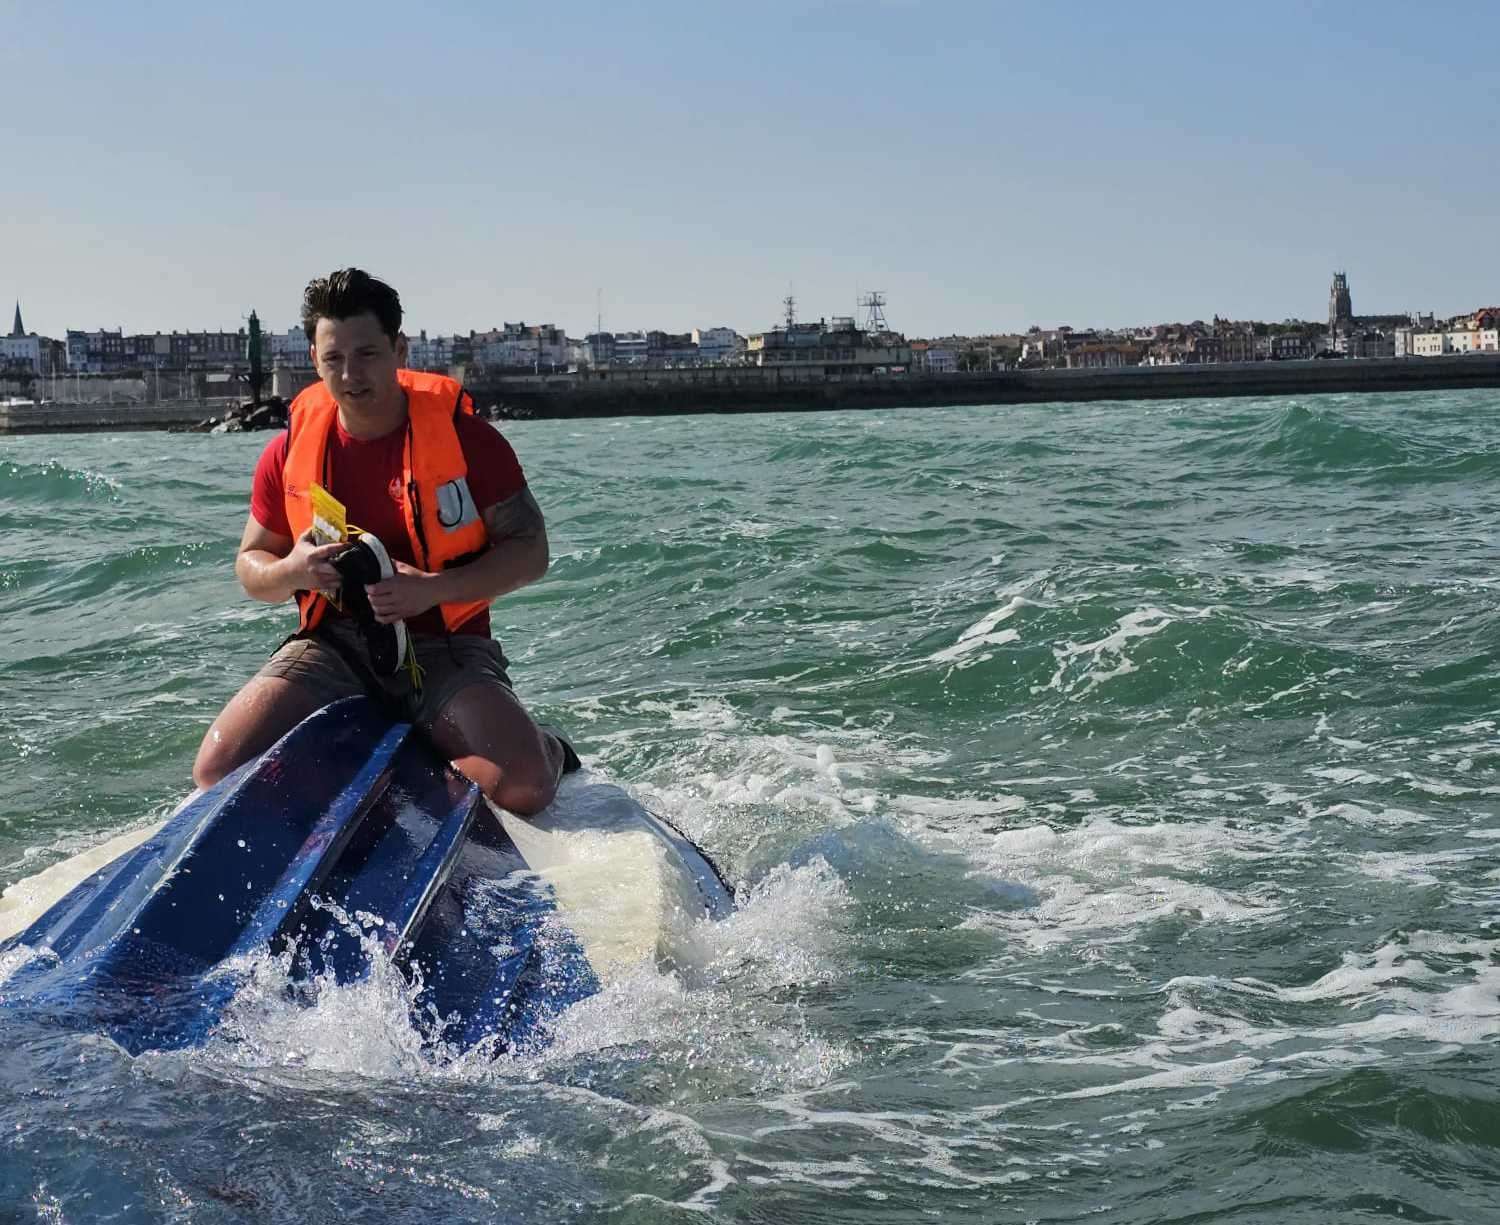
<point>1113,792</point>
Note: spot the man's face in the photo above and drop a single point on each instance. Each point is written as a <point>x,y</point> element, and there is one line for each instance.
<point>357,362</point>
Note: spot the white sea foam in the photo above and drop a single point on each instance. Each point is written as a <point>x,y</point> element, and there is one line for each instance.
<point>710,1005</point>
<point>1202,1038</point>
<point>12,959</point>
<point>1405,996</point>
<point>1111,650</point>
<point>982,633</point>
<point>1375,818</point>
<point>710,999</point>
<point>1101,881</point>
<point>1410,867</point>
<point>707,714</point>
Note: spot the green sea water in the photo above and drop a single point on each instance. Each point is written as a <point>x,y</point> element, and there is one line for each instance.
<point>1113,790</point>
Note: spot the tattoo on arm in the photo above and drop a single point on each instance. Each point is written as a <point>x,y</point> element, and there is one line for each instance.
<point>517,516</point>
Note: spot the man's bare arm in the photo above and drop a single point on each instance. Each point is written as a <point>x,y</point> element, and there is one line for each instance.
<point>271,566</point>
<point>518,554</point>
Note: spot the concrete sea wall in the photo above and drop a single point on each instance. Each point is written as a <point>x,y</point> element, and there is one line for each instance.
<point>641,393</point>
<point>657,392</point>
<point>87,418</point>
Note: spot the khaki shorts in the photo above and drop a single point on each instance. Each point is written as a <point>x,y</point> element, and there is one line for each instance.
<point>449,663</point>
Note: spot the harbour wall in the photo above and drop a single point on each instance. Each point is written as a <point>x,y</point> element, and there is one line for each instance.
<point>60,418</point>
<point>619,393</point>
<point>656,392</point>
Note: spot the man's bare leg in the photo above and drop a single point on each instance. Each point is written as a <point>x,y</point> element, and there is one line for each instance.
<point>487,734</point>
<point>256,718</point>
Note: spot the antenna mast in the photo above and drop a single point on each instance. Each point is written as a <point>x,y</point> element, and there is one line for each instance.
<point>873,304</point>
<point>789,305</point>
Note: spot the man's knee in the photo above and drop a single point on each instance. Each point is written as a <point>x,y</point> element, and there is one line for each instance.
<point>527,794</point>
<point>524,786</point>
<point>212,763</point>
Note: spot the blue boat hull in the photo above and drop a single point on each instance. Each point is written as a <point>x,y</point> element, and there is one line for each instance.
<point>348,841</point>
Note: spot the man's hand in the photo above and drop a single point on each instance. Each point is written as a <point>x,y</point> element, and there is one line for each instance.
<point>404,595</point>
<point>309,566</point>
<point>272,567</point>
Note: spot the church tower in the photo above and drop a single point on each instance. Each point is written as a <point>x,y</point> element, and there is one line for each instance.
<point>16,329</point>
<point>1340,309</point>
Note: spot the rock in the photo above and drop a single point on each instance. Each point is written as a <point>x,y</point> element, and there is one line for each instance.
<point>271,416</point>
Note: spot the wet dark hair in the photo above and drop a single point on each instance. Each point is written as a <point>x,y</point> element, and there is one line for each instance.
<point>349,292</point>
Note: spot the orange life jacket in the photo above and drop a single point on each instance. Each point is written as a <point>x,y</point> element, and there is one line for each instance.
<point>441,519</point>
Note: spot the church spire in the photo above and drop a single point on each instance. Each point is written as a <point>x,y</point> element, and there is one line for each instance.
<point>16,328</point>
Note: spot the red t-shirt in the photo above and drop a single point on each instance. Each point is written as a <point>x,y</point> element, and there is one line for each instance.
<point>366,477</point>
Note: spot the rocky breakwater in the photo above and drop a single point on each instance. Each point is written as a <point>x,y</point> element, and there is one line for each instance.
<point>268,415</point>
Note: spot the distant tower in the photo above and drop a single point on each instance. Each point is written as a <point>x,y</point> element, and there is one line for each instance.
<point>1340,310</point>
<point>789,305</point>
<point>257,371</point>
<point>873,304</point>
<point>16,329</point>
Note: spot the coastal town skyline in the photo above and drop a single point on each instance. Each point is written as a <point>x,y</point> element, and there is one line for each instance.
<point>857,309</point>
<point>988,167</point>
<point>861,343</point>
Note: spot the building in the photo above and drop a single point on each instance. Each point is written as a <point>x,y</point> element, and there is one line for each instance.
<point>521,346</point>
<point>96,352</point>
<point>434,354</point>
<point>818,349</point>
<point>718,346</point>
<point>1340,306</point>
<point>933,357</point>
<point>629,349</point>
<point>1042,348</point>
<point>942,360</point>
<point>1429,344</point>
<point>601,349</point>
<point>1102,356</point>
<point>1472,340</point>
<point>288,350</point>
<point>1284,347</point>
<point>1365,342</point>
<point>27,353</point>
<point>106,352</point>
<point>671,349</point>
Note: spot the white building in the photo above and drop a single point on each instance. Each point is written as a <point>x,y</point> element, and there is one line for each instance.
<point>1456,340</point>
<point>521,346</point>
<point>630,348</point>
<point>289,349</point>
<point>424,353</point>
<point>941,360</point>
<point>814,349</point>
<point>23,351</point>
<point>718,346</point>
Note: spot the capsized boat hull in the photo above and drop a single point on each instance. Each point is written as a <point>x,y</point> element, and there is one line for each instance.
<point>347,841</point>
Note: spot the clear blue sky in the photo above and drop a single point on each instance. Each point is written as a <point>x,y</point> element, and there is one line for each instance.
<point>987,165</point>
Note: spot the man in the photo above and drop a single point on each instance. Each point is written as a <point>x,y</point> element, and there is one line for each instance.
<point>444,496</point>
